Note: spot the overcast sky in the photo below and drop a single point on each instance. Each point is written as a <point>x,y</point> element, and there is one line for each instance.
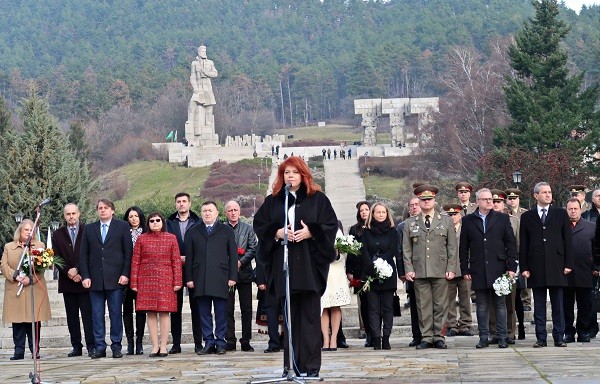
<point>576,4</point>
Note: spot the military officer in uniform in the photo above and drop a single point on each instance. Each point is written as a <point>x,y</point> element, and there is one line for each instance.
<point>459,323</point>
<point>513,200</point>
<point>430,255</point>
<point>578,191</point>
<point>463,190</point>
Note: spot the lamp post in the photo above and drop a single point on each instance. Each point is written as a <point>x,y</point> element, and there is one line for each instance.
<point>19,217</point>
<point>259,181</point>
<point>517,175</point>
<point>253,206</point>
<point>368,171</point>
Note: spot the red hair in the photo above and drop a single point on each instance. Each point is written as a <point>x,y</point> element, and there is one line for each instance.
<point>305,175</point>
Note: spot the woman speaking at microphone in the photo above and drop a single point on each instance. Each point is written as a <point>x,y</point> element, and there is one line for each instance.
<point>311,229</point>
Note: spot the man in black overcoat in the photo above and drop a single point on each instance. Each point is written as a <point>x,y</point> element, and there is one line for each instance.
<point>488,250</point>
<point>581,280</point>
<point>211,270</point>
<point>66,242</point>
<point>546,258</point>
<point>105,264</point>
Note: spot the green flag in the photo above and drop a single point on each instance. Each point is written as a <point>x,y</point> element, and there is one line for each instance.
<point>175,138</point>
<point>170,136</point>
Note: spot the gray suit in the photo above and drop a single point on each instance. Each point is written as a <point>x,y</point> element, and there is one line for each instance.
<point>430,253</point>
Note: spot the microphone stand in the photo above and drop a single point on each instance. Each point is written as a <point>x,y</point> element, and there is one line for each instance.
<point>291,373</point>
<point>35,379</point>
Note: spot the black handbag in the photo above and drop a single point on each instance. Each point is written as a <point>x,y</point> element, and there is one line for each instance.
<point>596,296</point>
<point>396,305</point>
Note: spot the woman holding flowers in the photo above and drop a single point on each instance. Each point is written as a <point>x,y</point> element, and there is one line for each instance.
<point>156,277</point>
<point>379,254</point>
<point>17,310</point>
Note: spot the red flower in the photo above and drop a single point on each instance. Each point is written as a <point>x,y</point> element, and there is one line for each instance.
<point>36,252</point>
<point>355,283</point>
<point>241,251</point>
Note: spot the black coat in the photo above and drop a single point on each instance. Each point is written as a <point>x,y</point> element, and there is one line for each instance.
<point>487,256</point>
<point>354,262</point>
<point>308,259</point>
<point>105,263</point>
<point>546,249</point>
<point>211,260</point>
<point>173,227</point>
<point>63,247</point>
<point>583,237</point>
<point>384,246</point>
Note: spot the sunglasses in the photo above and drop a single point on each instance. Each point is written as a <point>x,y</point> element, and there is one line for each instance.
<point>155,220</point>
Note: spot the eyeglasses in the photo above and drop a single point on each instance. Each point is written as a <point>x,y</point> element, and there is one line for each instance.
<point>155,220</point>
<point>486,199</point>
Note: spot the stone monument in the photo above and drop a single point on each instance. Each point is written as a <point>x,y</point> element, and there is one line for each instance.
<point>200,125</point>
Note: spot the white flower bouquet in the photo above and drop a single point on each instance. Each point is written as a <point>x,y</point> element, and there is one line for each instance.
<point>503,285</point>
<point>383,270</point>
<point>347,244</point>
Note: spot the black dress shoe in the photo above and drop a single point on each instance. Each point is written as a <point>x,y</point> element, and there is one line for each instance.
<point>207,350</point>
<point>272,350</point>
<point>414,342</point>
<point>246,347</point>
<point>230,347</point>
<point>313,374</point>
<point>91,352</point>
<point>582,339</point>
<point>163,354</point>
<point>502,343</point>
<point>569,339</point>
<point>18,356</point>
<point>175,349</point>
<point>75,352</point>
<point>424,345</point>
<point>98,354</point>
<point>154,354</point>
<point>341,344</point>
<point>440,344</point>
<point>510,340</point>
<point>560,344</point>
<point>139,348</point>
<point>117,354</point>
<point>483,343</point>
<point>452,332</point>
<point>494,340</point>
<point>129,350</point>
<point>465,333</point>
<point>540,344</point>
<point>220,350</point>
<point>197,348</point>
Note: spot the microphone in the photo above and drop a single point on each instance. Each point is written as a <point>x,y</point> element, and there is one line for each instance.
<point>45,202</point>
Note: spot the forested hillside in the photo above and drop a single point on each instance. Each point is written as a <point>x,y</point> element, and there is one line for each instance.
<point>122,66</point>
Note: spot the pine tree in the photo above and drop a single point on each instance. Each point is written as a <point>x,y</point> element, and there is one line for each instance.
<point>548,107</point>
<point>39,164</point>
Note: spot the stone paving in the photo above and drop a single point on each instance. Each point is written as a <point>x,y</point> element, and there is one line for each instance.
<point>460,363</point>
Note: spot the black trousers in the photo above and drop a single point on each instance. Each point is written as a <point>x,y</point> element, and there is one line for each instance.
<point>539,312</point>
<point>381,311</point>
<point>22,331</point>
<point>176,320</point>
<point>245,298</point>
<point>273,309</point>
<point>129,297</point>
<point>414,315</point>
<point>306,332</point>
<point>583,296</point>
<point>74,304</point>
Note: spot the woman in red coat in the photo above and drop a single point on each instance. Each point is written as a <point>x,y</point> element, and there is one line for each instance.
<point>156,277</point>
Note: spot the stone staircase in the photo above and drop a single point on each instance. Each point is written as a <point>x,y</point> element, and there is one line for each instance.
<point>345,188</point>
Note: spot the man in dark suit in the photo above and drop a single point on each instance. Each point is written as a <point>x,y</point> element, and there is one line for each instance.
<point>105,264</point>
<point>211,270</point>
<point>581,280</point>
<point>488,250</point>
<point>66,242</point>
<point>546,258</point>
<point>178,224</point>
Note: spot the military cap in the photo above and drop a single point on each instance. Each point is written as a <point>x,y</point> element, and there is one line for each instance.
<point>463,186</point>
<point>418,184</point>
<point>498,195</point>
<point>513,192</point>
<point>576,189</point>
<point>426,192</point>
<point>452,209</point>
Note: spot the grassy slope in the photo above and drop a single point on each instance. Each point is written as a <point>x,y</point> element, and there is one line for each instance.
<point>334,132</point>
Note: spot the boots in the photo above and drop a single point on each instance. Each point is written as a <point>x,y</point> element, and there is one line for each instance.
<point>385,342</point>
<point>129,346</point>
<point>139,345</point>
<point>377,343</point>
<point>521,335</point>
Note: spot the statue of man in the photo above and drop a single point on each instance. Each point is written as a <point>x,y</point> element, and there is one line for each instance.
<point>200,110</point>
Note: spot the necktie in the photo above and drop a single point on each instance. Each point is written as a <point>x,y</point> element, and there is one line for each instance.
<point>427,222</point>
<point>543,215</point>
<point>73,237</point>
<point>209,229</point>
<point>465,209</point>
<point>104,232</point>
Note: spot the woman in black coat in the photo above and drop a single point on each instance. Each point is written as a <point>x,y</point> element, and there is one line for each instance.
<point>312,226</point>
<point>380,240</point>
<point>354,266</point>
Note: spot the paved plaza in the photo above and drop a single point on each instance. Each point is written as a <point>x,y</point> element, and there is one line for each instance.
<point>461,362</point>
